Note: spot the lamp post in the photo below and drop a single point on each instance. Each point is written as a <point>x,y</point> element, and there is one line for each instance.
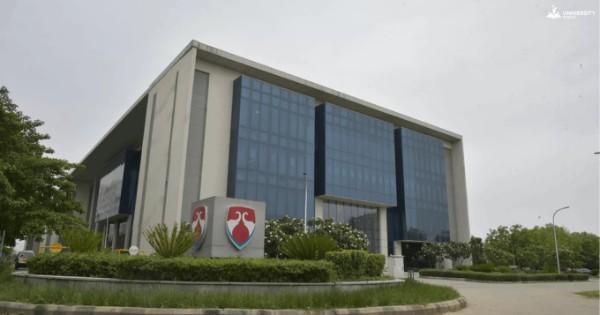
<point>305,203</point>
<point>555,240</point>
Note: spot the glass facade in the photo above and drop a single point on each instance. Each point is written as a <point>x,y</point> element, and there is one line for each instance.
<point>361,218</point>
<point>354,156</point>
<point>422,211</point>
<point>272,147</point>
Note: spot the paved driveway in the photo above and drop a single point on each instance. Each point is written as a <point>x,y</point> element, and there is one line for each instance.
<point>525,298</point>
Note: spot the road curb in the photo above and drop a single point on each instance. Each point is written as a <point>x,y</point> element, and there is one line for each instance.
<point>53,309</point>
<point>484,281</point>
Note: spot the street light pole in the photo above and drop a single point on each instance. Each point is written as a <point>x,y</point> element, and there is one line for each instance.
<point>555,240</point>
<point>305,203</point>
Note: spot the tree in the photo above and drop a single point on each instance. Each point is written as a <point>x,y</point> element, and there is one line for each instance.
<point>36,192</point>
<point>476,244</point>
<point>457,252</point>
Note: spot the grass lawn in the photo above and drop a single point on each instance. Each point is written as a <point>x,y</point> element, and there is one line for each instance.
<point>410,292</point>
<point>590,294</point>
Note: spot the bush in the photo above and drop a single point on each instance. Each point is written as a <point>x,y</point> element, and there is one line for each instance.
<point>482,268</point>
<point>375,265</point>
<point>278,232</point>
<point>81,240</point>
<point>356,264</point>
<point>308,246</point>
<point>345,235</point>
<point>172,244</point>
<point>463,268</point>
<point>182,268</point>
<point>492,276</point>
<point>503,269</point>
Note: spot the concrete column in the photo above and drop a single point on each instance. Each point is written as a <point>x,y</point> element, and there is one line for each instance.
<point>382,214</point>
<point>461,211</point>
<point>318,208</point>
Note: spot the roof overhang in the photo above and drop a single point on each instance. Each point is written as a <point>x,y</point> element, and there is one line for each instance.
<point>131,125</point>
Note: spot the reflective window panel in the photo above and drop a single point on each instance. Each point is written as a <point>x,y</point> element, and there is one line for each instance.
<point>422,211</point>
<point>272,147</point>
<point>354,156</point>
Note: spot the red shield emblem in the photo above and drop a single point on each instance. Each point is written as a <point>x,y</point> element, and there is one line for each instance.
<point>240,224</point>
<point>199,215</point>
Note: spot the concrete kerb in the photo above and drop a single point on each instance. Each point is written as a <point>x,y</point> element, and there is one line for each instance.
<point>422,309</point>
<point>109,283</point>
<point>499,282</point>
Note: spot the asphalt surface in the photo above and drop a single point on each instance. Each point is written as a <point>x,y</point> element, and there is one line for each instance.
<point>525,298</point>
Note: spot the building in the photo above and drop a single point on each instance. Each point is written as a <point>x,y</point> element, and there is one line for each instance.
<point>215,124</point>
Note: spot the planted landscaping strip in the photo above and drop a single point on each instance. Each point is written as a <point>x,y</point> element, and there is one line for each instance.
<point>198,286</point>
<point>410,292</point>
<point>495,276</point>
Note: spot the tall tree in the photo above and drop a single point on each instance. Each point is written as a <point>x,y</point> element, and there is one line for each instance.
<point>36,192</point>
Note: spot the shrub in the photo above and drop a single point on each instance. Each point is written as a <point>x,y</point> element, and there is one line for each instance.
<point>182,268</point>
<point>503,269</point>
<point>482,268</point>
<point>81,240</point>
<point>463,268</point>
<point>356,264</point>
<point>308,246</point>
<point>375,265</point>
<point>345,235</point>
<point>167,244</point>
<point>492,276</point>
<point>278,232</point>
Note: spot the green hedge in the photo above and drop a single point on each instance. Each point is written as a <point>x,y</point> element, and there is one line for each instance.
<point>493,276</point>
<point>182,268</point>
<point>356,264</point>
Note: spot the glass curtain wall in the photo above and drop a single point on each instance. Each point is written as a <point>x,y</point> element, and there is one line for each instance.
<point>355,156</point>
<point>422,212</point>
<point>272,147</point>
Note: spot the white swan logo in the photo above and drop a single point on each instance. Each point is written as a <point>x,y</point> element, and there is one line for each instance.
<point>554,14</point>
<point>240,224</point>
<point>199,216</point>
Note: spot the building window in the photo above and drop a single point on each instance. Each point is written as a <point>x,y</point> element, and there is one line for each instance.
<point>360,217</point>
<point>422,211</point>
<point>354,156</point>
<point>272,147</point>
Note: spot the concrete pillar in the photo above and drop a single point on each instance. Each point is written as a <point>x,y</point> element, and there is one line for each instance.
<point>382,214</point>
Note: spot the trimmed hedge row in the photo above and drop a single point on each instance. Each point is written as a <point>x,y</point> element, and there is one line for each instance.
<point>182,268</point>
<point>493,276</point>
<point>356,264</point>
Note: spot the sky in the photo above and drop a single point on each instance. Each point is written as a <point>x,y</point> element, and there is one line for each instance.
<point>522,89</point>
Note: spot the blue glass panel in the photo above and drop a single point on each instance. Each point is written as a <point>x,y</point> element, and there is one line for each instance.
<point>272,141</point>
<point>422,211</point>
<point>354,156</point>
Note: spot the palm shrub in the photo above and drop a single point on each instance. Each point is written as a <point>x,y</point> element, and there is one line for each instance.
<point>170,244</point>
<point>308,246</point>
<point>80,240</point>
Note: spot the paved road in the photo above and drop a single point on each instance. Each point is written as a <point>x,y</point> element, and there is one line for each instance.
<point>524,298</point>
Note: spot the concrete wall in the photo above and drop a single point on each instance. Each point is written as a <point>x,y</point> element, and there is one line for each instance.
<point>164,150</point>
<point>215,158</point>
<point>458,211</point>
